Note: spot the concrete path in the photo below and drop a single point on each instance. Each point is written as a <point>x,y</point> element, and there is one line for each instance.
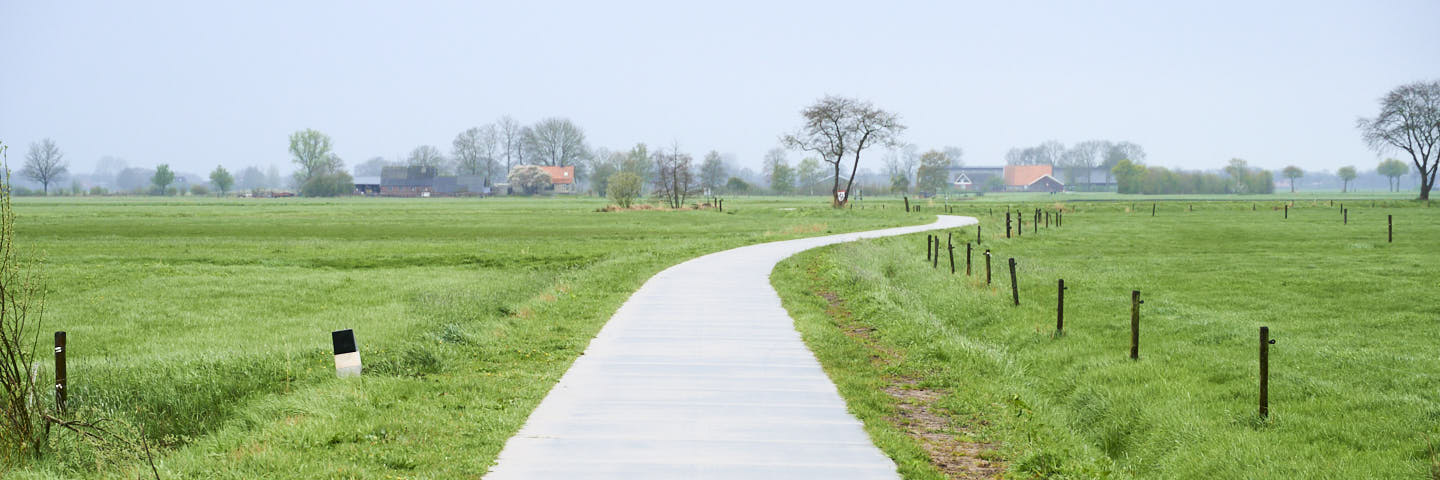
<point>701,374</point>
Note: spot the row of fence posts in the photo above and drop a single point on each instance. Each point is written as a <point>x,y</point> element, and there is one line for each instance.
<point>1344,217</point>
<point>932,255</point>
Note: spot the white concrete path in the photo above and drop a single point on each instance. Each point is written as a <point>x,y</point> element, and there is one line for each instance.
<point>701,374</point>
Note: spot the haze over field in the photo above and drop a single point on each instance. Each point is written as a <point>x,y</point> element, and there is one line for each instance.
<point>195,85</point>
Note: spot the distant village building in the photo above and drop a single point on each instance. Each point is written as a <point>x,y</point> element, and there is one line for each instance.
<point>420,181</point>
<point>562,179</point>
<point>1011,178</point>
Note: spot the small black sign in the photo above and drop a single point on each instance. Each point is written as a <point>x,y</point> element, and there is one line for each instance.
<point>344,341</point>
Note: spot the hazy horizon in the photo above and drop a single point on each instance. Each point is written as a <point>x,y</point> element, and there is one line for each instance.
<point>196,85</point>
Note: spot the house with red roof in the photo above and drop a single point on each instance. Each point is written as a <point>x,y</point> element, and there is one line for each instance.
<point>562,179</point>
<point>1012,178</point>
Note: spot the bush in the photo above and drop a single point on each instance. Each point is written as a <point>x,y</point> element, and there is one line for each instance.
<point>529,178</point>
<point>623,188</point>
<point>199,189</point>
<point>328,185</point>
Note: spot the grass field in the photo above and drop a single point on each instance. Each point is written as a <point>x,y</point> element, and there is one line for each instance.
<point>1354,382</point>
<point>206,322</point>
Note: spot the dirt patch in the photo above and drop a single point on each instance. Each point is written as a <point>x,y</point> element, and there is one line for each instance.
<point>920,418</point>
<point>917,415</point>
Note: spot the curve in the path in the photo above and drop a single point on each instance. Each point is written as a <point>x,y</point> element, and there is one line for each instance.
<point>701,374</point>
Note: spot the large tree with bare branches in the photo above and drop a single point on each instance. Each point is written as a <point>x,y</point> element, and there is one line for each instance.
<point>44,163</point>
<point>840,129</point>
<point>1409,121</point>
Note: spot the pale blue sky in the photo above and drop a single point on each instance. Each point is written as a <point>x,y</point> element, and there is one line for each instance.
<point>196,84</point>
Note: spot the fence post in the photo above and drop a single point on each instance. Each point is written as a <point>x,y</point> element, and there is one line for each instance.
<point>1347,215</point>
<point>1390,229</point>
<point>1007,223</point>
<point>61,378</point>
<point>987,266</point>
<point>927,247</point>
<point>1152,209</point>
<point>1287,211</point>
<point>1265,342</point>
<point>907,204</point>
<point>949,247</point>
<point>1060,308</point>
<point>1135,324</point>
<point>977,234</point>
<point>935,259</point>
<point>1019,224</point>
<point>1014,287</point>
<point>967,259</point>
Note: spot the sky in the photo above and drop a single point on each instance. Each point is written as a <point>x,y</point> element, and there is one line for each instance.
<point>196,84</point>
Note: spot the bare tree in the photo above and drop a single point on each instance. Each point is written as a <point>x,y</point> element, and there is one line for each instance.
<point>45,163</point>
<point>508,133</point>
<point>1409,121</point>
<point>426,156</point>
<point>474,151</point>
<point>837,127</point>
<point>712,171</point>
<point>556,142</point>
<point>675,179</point>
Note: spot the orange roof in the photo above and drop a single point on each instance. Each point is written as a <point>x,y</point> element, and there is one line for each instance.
<point>1022,175</point>
<point>559,175</point>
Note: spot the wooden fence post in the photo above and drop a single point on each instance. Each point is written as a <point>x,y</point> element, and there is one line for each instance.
<point>1060,308</point>
<point>1135,324</point>
<point>1287,211</point>
<point>1346,212</point>
<point>1152,209</point>
<point>927,247</point>
<point>1014,287</point>
<point>907,204</point>
<point>1007,224</point>
<point>1019,224</point>
<point>61,378</point>
<point>977,234</point>
<point>987,266</point>
<point>951,249</point>
<point>935,259</point>
<point>1390,229</point>
<point>967,259</point>
<point>1265,342</point>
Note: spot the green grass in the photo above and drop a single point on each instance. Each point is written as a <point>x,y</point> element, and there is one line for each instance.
<point>1354,385</point>
<point>206,322</point>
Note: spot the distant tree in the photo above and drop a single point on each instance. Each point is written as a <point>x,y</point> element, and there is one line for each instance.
<point>1409,121</point>
<point>638,162</point>
<point>675,176</point>
<point>1347,175</point>
<point>529,178</point>
<point>368,168</point>
<point>426,156</point>
<point>1392,169</point>
<point>623,188</point>
<point>556,142</point>
<point>955,154</point>
<point>933,175</point>
<point>312,153</point>
<point>838,127</point>
<point>509,135</point>
<point>1293,173</point>
<point>44,163</point>
<point>604,164</point>
<point>737,185</point>
<point>1239,172</point>
<point>163,178</point>
<point>199,190</point>
<point>778,172</point>
<point>107,168</point>
<point>712,171</point>
<point>809,174</point>
<point>1129,176</point>
<point>474,151</point>
<point>272,177</point>
<point>222,179</point>
<point>329,184</point>
<point>250,178</point>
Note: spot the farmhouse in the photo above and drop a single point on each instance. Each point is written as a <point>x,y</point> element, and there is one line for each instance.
<point>562,179</point>
<point>420,181</point>
<point>1012,178</point>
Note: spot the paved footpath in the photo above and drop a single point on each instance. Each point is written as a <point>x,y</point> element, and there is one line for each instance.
<point>701,374</point>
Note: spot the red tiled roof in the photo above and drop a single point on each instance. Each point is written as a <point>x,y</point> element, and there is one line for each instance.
<point>560,175</point>
<point>1022,175</point>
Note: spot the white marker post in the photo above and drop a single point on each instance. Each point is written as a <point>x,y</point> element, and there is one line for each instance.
<point>347,357</point>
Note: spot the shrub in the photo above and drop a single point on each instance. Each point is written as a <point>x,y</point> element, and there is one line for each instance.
<point>199,189</point>
<point>623,188</point>
<point>328,185</point>
<point>529,178</point>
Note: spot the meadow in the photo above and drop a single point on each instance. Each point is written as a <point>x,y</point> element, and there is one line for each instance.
<point>204,324</point>
<point>921,354</point>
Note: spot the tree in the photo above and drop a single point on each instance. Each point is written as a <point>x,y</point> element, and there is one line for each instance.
<point>1239,172</point>
<point>1293,173</point>
<point>44,163</point>
<point>623,188</point>
<point>604,165</point>
<point>1129,176</point>
<point>1409,121</point>
<point>426,156</point>
<point>508,134</point>
<point>809,173</point>
<point>312,153</point>
<point>162,178</point>
<point>837,127</point>
<point>368,168</point>
<point>675,177</point>
<point>251,178</point>
<point>737,185</point>
<point>529,178</point>
<point>712,171</point>
<point>1392,169</point>
<point>556,142</point>
<point>637,161</point>
<point>222,179</point>
<point>934,172</point>
<point>955,154</point>
<point>777,171</point>
<point>329,184</point>
<point>1347,175</point>
<point>474,151</point>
